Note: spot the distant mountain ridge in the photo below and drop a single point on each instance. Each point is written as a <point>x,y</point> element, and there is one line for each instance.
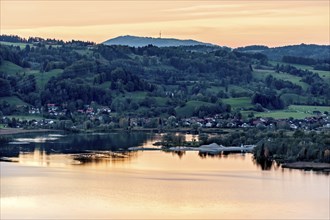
<point>135,41</point>
<point>313,51</point>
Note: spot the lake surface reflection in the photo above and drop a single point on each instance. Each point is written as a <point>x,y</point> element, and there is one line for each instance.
<point>47,182</point>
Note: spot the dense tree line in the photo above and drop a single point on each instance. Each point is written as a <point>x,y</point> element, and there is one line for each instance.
<point>300,146</point>
<point>318,64</point>
<point>279,84</point>
<point>204,111</point>
<point>299,60</point>
<point>12,38</point>
<point>18,39</point>
<point>14,55</point>
<point>294,71</point>
<point>268,101</point>
<point>73,89</point>
<point>20,85</point>
<point>5,88</point>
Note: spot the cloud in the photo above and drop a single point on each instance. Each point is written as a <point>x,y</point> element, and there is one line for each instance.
<point>222,22</point>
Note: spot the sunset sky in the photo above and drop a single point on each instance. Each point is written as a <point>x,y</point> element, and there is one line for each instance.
<point>231,23</point>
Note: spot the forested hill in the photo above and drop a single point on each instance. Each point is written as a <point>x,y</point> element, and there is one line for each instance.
<point>150,80</point>
<point>134,41</point>
<point>321,52</point>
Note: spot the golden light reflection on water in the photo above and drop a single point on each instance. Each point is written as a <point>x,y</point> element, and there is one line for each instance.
<point>154,185</point>
<point>142,160</point>
<point>41,158</point>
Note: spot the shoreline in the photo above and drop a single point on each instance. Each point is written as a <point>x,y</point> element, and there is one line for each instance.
<point>314,166</point>
<point>10,131</point>
<point>301,165</point>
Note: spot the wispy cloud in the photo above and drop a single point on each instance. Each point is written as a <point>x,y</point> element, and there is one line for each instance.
<point>224,22</point>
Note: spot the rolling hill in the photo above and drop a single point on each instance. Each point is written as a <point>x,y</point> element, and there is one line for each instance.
<point>154,81</point>
<point>134,41</point>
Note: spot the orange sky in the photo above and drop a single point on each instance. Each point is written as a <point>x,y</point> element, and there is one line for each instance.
<point>231,23</point>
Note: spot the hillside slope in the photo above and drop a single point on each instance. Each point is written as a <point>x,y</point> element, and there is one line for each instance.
<point>154,81</point>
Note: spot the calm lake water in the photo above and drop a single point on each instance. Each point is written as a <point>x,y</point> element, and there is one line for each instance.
<point>47,183</point>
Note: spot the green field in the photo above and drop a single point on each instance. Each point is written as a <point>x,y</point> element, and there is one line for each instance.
<point>262,74</point>
<point>84,52</point>
<point>282,114</point>
<point>304,67</point>
<point>294,111</point>
<point>137,96</point>
<point>10,68</point>
<point>189,108</point>
<point>105,85</point>
<point>237,89</point>
<point>161,101</point>
<point>215,89</point>
<point>309,108</point>
<point>323,74</point>
<point>43,78</point>
<point>289,98</point>
<point>21,45</point>
<point>237,103</point>
<point>13,100</point>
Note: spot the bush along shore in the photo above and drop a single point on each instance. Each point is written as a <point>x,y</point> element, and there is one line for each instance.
<point>295,150</point>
